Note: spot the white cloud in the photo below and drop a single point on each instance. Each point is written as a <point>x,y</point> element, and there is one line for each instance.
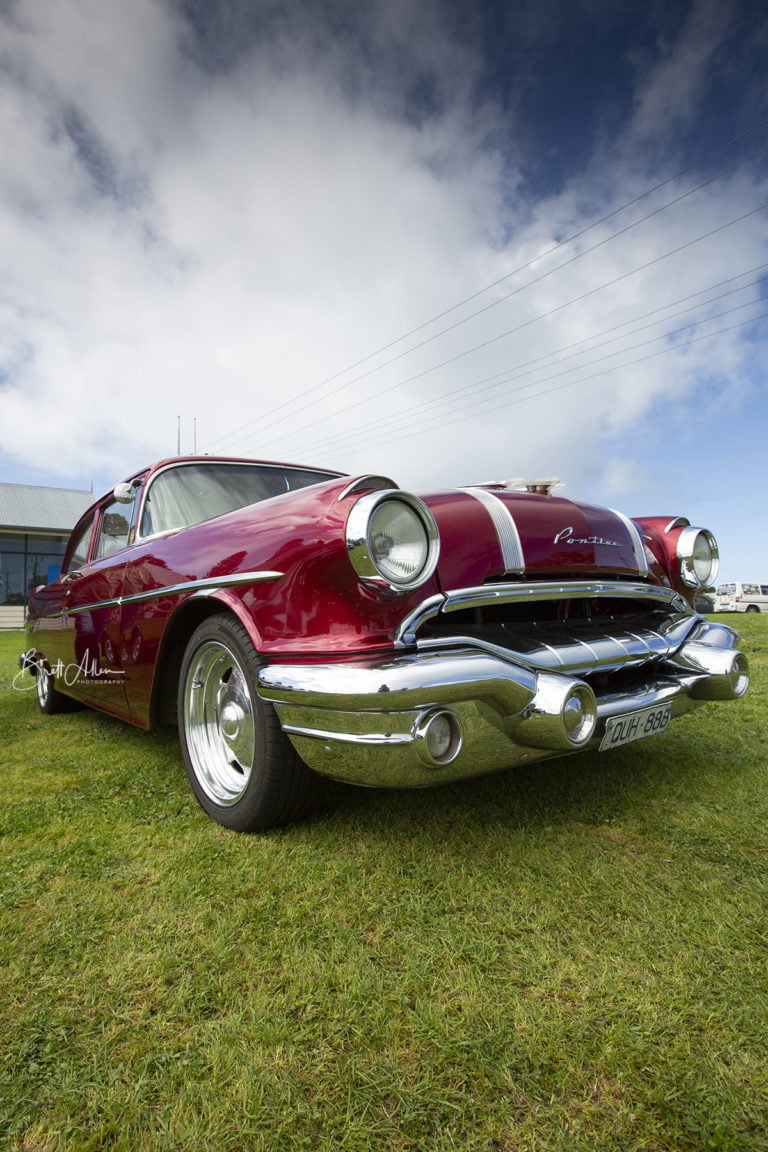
<point>216,233</point>
<point>670,92</point>
<point>204,247</point>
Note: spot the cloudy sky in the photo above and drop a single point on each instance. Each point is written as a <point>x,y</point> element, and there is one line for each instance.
<point>448,240</point>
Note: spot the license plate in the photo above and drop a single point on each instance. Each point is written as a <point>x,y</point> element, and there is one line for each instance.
<point>635,725</point>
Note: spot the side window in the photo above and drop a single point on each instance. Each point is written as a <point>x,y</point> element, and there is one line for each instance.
<point>79,554</point>
<point>114,529</point>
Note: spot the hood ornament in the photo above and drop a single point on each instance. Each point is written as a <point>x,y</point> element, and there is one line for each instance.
<point>518,484</point>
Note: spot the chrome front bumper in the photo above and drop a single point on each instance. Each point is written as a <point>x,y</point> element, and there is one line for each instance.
<point>427,717</point>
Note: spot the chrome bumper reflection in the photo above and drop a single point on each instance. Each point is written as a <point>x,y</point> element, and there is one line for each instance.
<point>426,717</point>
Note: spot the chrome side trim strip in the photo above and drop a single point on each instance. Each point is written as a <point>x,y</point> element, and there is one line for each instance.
<point>97,604</point>
<point>349,737</point>
<point>506,530</point>
<point>213,583</point>
<point>638,546</point>
<point>204,587</point>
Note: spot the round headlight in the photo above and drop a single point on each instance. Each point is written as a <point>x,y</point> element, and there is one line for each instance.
<point>699,557</point>
<point>392,539</point>
<point>398,542</point>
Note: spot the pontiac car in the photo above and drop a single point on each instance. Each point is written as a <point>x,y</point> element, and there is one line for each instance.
<point>298,623</point>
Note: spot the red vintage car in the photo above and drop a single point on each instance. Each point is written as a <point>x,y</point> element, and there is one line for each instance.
<point>298,623</point>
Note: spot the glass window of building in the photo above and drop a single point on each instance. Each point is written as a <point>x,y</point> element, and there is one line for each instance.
<point>27,560</point>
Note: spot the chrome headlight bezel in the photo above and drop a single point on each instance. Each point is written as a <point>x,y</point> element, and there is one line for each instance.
<point>687,543</point>
<point>360,546</point>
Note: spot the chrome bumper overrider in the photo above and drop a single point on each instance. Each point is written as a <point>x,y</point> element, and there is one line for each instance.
<point>429,716</point>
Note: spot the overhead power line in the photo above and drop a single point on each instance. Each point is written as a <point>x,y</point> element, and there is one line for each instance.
<point>468,409</point>
<point>528,323</point>
<point>417,431</point>
<point>514,372</point>
<point>475,295</point>
<point>502,335</point>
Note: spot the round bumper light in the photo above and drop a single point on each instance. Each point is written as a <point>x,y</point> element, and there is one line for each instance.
<point>562,716</point>
<point>437,737</point>
<point>726,671</point>
<point>579,714</point>
<point>740,676</point>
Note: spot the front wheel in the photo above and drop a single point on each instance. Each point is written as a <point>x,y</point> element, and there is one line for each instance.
<point>243,771</point>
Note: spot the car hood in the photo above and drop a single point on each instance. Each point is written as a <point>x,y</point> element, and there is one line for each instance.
<point>491,533</point>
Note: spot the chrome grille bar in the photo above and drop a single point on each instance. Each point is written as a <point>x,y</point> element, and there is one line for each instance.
<point>573,654</point>
<point>490,594</point>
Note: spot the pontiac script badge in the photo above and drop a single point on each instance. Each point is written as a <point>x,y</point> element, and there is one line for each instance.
<point>566,536</point>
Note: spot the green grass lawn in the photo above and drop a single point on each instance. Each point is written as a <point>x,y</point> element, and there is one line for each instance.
<point>571,956</point>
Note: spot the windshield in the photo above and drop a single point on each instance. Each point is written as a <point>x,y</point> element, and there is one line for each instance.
<point>190,493</point>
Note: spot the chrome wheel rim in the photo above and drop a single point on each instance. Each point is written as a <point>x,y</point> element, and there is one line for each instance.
<point>219,723</point>
<point>43,685</point>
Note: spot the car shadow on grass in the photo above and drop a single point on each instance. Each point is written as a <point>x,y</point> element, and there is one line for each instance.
<point>589,787</point>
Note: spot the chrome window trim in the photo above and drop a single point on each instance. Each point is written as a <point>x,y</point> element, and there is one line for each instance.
<point>149,480</point>
<point>93,513</point>
<point>159,535</point>
<point>456,599</point>
<point>637,541</point>
<point>506,530</point>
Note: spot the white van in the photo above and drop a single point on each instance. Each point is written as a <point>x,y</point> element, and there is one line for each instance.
<point>742,598</point>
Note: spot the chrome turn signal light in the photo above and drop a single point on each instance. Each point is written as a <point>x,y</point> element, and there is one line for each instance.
<point>437,737</point>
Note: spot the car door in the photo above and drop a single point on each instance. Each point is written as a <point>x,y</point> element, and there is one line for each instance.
<point>47,623</point>
<point>90,639</point>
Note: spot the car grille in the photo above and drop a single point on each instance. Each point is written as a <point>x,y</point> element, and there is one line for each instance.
<point>583,629</point>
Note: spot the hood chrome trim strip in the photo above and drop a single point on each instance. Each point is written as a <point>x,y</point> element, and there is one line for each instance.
<point>637,542</point>
<point>506,530</point>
